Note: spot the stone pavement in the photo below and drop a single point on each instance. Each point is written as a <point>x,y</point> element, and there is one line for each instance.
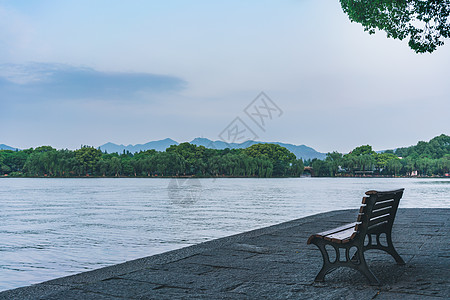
<point>272,263</point>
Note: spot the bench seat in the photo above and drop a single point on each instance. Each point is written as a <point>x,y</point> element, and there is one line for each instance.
<point>342,234</point>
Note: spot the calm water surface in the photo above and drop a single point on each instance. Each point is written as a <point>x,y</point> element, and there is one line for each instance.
<point>56,227</point>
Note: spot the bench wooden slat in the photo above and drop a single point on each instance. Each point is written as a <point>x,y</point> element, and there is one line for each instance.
<point>385,197</point>
<point>381,204</point>
<point>334,230</point>
<point>342,236</point>
<point>364,200</point>
<point>338,229</point>
<point>379,219</point>
<point>360,217</point>
<point>376,226</point>
<point>381,211</point>
<point>362,208</point>
<point>372,192</point>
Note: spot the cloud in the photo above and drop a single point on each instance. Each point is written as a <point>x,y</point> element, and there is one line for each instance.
<point>47,81</point>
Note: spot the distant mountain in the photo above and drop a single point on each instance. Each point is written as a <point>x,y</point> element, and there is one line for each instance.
<point>161,145</point>
<point>300,151</point>
<point>6,147</point>
<point>303,151</point>
<point>220,144</point>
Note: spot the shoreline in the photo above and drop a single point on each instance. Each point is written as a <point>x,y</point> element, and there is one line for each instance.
<point>217,177</point>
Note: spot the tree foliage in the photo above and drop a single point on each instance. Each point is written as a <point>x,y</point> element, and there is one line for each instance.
<point>88,158</point>
<point>427,158</point>
<point>434,149</point>
<point>283,161</point>
<point>261,160</point>
<point>181,160</point>
<point>425,23</point>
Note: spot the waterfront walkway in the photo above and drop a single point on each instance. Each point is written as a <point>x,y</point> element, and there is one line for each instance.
<point>272,263</point>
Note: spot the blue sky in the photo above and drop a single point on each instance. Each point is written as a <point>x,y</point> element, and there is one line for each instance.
<point>90,72</point>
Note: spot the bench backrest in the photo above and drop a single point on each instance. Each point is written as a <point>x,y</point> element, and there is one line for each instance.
<point>377,212</point>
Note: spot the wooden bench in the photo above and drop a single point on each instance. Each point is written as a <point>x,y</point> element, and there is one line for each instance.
<point>374,222</point>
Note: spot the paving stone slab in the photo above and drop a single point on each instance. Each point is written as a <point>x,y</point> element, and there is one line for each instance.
<point>119,287</point>
<point>75,294</point>
<point>384,295</point>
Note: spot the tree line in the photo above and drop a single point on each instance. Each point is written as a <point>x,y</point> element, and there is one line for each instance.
<point>259,160</point>
<point>424,159</point>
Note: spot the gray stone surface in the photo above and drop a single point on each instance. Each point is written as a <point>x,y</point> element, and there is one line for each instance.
<point>272,263</point>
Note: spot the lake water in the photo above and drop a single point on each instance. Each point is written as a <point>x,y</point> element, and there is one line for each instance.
<point>56,227</point>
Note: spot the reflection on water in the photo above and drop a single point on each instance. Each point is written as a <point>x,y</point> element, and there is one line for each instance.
<point>56,227</point>
<point>434,182</point>
<point>425,23</point>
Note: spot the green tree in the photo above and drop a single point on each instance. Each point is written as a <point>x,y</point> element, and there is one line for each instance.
<point>382,159</point>
<point>194,157</point>
<point>334,161</point>
<point>5,169</point>
<point>12,161</point>
<point>321,168</point>
<point>360,159</point>
<point>44,149</point>
<point>115,166</point>
<point>281,158</point>
<point>425,23</point>
<point>394,166</point>
<point>88,158</point>
<point>297,168</point>
<point>362,150</point>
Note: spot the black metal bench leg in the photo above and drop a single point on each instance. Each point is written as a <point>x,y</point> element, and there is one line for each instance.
<point>327,267</point>
<point>324,271</point>
<point>391,250</point>
<point>364,268</point>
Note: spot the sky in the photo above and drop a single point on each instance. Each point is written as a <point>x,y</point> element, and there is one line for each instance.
<point>84,72</point>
